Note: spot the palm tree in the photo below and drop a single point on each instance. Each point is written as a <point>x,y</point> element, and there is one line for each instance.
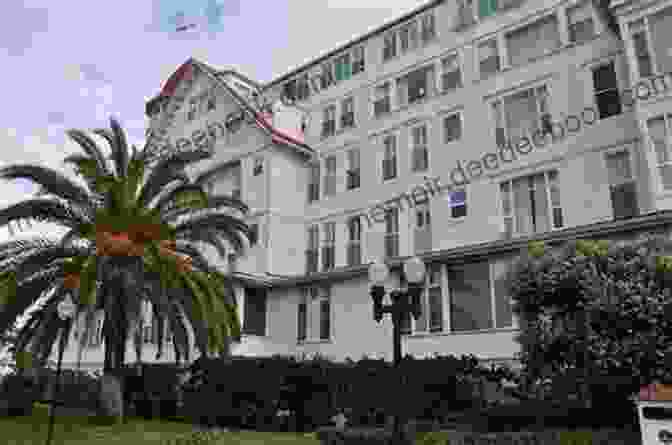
<point>135,233</point>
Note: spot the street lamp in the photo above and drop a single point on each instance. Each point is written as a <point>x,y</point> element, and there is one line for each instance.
<point>65,309</point>
<point>403,301</point>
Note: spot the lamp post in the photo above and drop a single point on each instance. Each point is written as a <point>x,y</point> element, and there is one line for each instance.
<point>66,309</point>
<point>403,302</point>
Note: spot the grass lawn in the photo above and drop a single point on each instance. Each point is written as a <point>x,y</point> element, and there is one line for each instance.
<point>73,430</point>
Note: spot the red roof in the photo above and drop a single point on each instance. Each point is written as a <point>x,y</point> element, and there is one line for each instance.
<point>184,72</point>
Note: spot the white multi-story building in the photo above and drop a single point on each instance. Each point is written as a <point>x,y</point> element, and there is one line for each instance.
<point>527,114</point>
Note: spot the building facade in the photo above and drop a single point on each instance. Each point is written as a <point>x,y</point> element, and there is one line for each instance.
<point>458,133</point>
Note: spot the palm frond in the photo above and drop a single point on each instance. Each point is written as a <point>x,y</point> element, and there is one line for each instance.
<point>53,182</point>
<point>119,148</point>
<point>89,147</point>
<point>45,210</point>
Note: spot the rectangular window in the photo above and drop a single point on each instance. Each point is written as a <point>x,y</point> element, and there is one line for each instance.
<point>358,60</point>
<point>302,88</point>
<point>488,56</point>
<point>391,232</point>
<point>354,241</point>
<point>314,314</point>
<point>531,204</point>
<point>423,229</point>
<point>328,251</point>
<point>193,108</point>
<point>486,8</point>
<point>254,234</point>
<point>451,76</point>
<point>348,113</point>
<point>605,86</point>
<point>330,176</point>
<point>327,77</point>
<point>660,131</point>
<point>389,157</point>
<point>431,304</point>
<point>428,28</point>
<point>211,102</point>
<point>504,317</point>
<point>325,316</point>
<point>290,90</point>
<point>452,128</point>
<point>520,114</point>
<point>258,166</point>
<point>343,67</point>
<point>255,312</point>
<point>622,185</point>
<point>420,157</point>
<point>236,173</point>
<point>457,202</point>
<point>314,183</point>
<point>353,172</point>
<point>580,22</point>
<point>389,46</point>
<point>302,316</point>
<point>312,251</point>
<point>470,297</point>
<point>408,37</point>
<point>381,101</point>
<point>416,85</point>
<point>533,40</point>
<point>329,121</point>
<point>660,24</point>
<point>640,41</point>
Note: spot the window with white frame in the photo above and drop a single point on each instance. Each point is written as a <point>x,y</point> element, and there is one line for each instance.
<point>353,171</point>
<point>660,134</point>
<point>358,60</point>
<point>533,40</point>
<point>389,46</point>
<point>520,114</point>
<point>580,22</point>
<point>605,87</point>
<point>470,297</point>
<point>330,175</point>
<point>431,303</point>
<point>452,128</point>
<point>416,85</point>
<point>328,245</point>
<point>622,185</point>
<point>254,322</point>
<point>354,246</point>
<point>531,204</point>
<point>329,121</point>
<point>451,75</point>
<point>427,28</point>
<point>423,228</point>
<point>488,58</point>
<point>382,101</point>
<point>327,77</point>
<point>312,248</point>
<point>314,182</point>
<point>391,232</point>
<point>457,202</point>
<point>419,152</point>
<point>314,314</point>
<point>342,67</point>
<point>193,108</point>
<point>302,87</point>
<point>651,37</point>
<point>408,37</point>
<point>348,113</point>
<point>389,157</point>
<point>289,90</point>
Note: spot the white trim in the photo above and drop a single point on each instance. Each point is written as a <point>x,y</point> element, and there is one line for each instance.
<point>460,65</point>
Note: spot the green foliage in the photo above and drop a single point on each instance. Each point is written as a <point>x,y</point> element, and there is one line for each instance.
<point>596,309</point>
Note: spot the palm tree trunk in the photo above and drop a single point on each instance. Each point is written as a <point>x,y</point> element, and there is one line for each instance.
<point>112,384</point>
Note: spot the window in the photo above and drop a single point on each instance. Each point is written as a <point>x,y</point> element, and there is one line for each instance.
<point>254,234</point>
<point>312,250</point>
<point>314,314</point>
<point>470,297</point>
<point>486,8</point>
<point>96,337</point>
<point>416,85</point>
<point>258,166</point>
<point>488,56</point>
<point>457,202</point>
<point>660,129</point>
<point>660,25</point>
<point>391,232</point>
<point>580,23</point>
<point>428,28</point>
<point>605,86</point>
<point>343,67</point>
<point>408,37</point>
<point>330,176</point>
<point>348,113</point>
<point>314,183</point>
<point>329,121</point>
<point>353,171</point>
<point>419,154</point>
<point>255,312</point>
<point>358,62</point>
<point>234,121</point>
<point>389,46</point>
<point>211,102</point>
<point>328,245</point>
<point>423,229</point>
<point>191,112</point>
<point>431,301</point>
<point>452,128</point>
<point>520,114</point>
<point>327,77</point>
<point>302,88</point>
<point>451,77</point>
<point>531,204</point>
<point>381,101</point>
<point>640,41</point>
<point>235,181</point>
<point>389,157</point>
<point>533,40</point>
<point>622,185</point>
<point>354,241</point>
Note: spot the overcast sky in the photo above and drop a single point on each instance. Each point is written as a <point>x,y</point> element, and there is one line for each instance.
<point>73,63</point>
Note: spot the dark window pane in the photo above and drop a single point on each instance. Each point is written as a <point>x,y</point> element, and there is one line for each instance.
<point>255,312</point>
<point>325,319</point>
<point>470,298</point>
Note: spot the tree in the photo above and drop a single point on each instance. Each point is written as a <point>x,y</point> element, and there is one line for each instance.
<point>134,233</point>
